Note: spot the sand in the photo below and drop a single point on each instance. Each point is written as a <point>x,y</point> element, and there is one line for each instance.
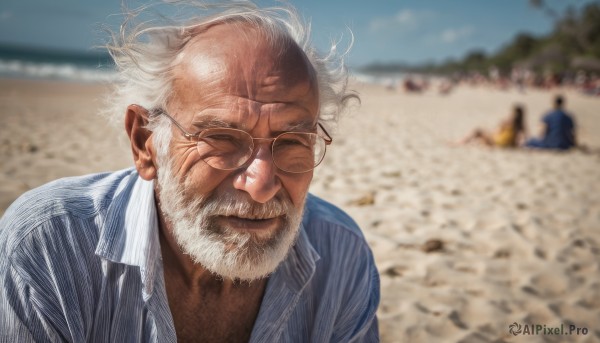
<point>468,240</point>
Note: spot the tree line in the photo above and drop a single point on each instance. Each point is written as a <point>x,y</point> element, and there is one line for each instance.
<point>572,46</point>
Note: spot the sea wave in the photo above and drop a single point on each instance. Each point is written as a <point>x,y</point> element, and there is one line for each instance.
<point>61,71</point>
<point>382,79</point>
<point>87,73</point>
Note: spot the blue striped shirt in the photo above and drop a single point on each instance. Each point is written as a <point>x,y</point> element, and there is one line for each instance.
<point>80,262</point>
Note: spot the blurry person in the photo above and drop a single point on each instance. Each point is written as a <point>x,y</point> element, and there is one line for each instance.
<point>558,129</point>
<point>510,133</point>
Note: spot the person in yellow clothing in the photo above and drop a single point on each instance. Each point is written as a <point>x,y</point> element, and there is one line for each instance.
<point>505,137</point>
<point>510,133</point>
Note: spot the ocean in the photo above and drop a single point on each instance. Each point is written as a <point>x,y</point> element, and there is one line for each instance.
<point>97,66</point>
<point>39,63</point>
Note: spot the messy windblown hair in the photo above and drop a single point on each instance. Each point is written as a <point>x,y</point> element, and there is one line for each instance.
<point>146,46</point>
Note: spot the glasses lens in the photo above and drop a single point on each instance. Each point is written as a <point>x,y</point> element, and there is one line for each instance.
<point>298,152</point>
<point>225,148</point>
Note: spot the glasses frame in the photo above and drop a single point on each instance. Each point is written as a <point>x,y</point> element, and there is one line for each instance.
<point>328,140</point>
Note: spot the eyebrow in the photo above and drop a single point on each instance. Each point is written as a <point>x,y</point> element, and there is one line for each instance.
<point>303,126</point>
<point>210,122</point>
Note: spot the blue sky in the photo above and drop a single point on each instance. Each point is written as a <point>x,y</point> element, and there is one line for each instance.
<point>410,31</point>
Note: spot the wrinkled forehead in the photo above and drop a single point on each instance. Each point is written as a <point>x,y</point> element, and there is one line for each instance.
<point>240,58</point>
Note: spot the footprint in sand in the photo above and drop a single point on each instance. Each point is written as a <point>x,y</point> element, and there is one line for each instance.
<point>548,284</point>
<point>365,200</point>
<point>395,271</point>
<point>433,245</point>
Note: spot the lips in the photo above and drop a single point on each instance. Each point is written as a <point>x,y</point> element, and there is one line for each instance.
<point>249,223</point>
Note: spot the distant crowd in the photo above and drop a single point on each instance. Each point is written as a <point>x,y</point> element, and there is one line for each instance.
<point>522,79</point>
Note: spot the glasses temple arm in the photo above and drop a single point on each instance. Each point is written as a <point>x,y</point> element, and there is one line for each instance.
<point>185,133</point>
<point>328,139</point>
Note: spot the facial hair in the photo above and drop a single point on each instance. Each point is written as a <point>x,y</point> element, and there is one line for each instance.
<point>224,251</point>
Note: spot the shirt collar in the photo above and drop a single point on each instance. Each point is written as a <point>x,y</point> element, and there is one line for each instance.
<point>130,232</point>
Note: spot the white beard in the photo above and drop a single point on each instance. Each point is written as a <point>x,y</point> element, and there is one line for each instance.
<point>226,252</point>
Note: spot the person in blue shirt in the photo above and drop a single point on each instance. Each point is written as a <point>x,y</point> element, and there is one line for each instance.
<point>558,129</point>
<point>212,236</point>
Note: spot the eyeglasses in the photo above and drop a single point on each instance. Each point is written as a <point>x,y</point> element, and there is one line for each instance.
<point>228,149</point>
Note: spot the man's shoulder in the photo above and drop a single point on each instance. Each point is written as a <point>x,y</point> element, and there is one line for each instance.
<point>325,219</point>
<point>558,113</point>
<point>81,197</point>
<point>550,114</point>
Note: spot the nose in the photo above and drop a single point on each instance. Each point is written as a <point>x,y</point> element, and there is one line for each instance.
<point>259,178</point>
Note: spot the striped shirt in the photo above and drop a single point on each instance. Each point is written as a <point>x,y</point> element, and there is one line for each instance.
<point>80,262</point>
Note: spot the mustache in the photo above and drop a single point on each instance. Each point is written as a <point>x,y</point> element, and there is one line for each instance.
<point>232,206</point>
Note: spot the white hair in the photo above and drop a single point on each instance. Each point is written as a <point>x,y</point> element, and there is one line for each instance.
<point>144,53</point>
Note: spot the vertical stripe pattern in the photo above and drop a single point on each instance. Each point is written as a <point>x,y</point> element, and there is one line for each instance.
<point>80,262</point>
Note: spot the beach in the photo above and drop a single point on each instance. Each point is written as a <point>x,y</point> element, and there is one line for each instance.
<point>467,239</point>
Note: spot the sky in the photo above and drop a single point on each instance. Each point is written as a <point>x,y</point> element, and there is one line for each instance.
<point>409,31</point>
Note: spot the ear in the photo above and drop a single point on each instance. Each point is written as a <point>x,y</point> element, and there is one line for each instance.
<point>142,147</point>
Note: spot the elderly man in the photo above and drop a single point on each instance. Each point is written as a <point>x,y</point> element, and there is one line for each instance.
<point>213,236</point>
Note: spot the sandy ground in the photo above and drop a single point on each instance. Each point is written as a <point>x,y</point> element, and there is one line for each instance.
<point>468,240</point>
